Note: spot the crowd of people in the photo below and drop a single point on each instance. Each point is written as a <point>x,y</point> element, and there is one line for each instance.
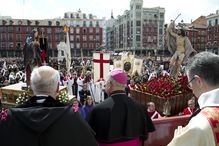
<point>110,115</point>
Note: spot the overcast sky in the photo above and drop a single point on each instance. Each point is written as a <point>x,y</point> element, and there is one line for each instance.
<point>42,9</point>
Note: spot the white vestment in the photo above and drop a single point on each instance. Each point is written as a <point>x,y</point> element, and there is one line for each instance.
<point>98,92</point>
<point>70,82</point>
<point>80,84</point>
<point>199,131</point>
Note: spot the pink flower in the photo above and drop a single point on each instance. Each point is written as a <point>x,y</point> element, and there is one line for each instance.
<point>4,114</point>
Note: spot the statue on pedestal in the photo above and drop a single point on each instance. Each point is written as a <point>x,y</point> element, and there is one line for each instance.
<point>32,54</point>
<point>179,46</point>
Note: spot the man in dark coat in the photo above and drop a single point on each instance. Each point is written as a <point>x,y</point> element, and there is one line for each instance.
<point>119,121</point>
<point>43,120</point>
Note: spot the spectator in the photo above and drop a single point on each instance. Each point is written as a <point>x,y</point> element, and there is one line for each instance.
<point>191,108</point>
<point>153,114</point>
<point>88,106</point>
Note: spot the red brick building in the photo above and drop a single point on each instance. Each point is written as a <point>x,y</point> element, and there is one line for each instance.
<point>13,33</point>
<point>86,34</point>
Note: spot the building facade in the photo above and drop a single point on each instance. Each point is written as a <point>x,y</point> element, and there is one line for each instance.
<point>197,33</point>
<point>86,34</point>
<point>213,32</point>
<point>13,33</point>
<point>139,30</point>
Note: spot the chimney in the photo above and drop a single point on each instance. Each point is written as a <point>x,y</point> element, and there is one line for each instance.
<point>217,11</point>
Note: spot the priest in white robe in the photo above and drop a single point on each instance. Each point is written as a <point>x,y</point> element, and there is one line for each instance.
<point>202,129</point>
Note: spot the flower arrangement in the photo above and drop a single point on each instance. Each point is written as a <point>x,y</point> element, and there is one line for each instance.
<point>62,97</point>
<point>22,98</point>
<point>165,86</point>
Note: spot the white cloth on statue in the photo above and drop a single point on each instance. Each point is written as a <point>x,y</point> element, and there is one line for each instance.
<point>199,131</point>
<point>80,84</point>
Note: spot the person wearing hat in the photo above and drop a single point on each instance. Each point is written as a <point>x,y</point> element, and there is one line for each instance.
<point>118,120</point>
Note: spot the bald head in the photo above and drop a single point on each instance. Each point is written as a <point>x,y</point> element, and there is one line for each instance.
<point>45,80</point>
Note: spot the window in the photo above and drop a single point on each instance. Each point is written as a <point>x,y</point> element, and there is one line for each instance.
<point>72,45</point>
<point>216,21</point>
<point>84,38</point>
<point>50,23</point>
<point>37,23</point>
<point>3,46</point>
<point>49,45</point>
<point>84,16</point>
<point>97,30</point>
<point>18,46</point>
<point>98,38</point>
<point>138,23</point>
<point>18,37</point>
<point>90,38</point>
<point>138,14</point>
<point>210,22</point>
<point>1,29</point>
<point>91,30</point>
<point>97,24</point>
<point>71,30</point>
<point>90,16</point>
<point>77,30</point>
<point>57,23</point>
<point>19,22</point>
<point>78,45</point>
<point>84,23</point>
<point>84,45</point>
<point>3,37</point>
<point>10,37</point>
<point>138,30</point>
<point>138,6</point>
<point>28,22</point>
<point>84,30</point>
<point>91,23</point>
<point>78,38</point>
<point>91,46</point>
<point>11,45</point>
<point>48,30</point>
<point>71,38</point>
<point>138,38</point>
<point>72,15</point>
<point>10,29</point>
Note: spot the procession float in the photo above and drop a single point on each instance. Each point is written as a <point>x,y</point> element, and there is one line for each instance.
<point>170,93</point>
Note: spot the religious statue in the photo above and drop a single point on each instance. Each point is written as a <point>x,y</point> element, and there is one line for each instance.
<point>178,45</point>
<point>32,54</point>
<point>62,46</point>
